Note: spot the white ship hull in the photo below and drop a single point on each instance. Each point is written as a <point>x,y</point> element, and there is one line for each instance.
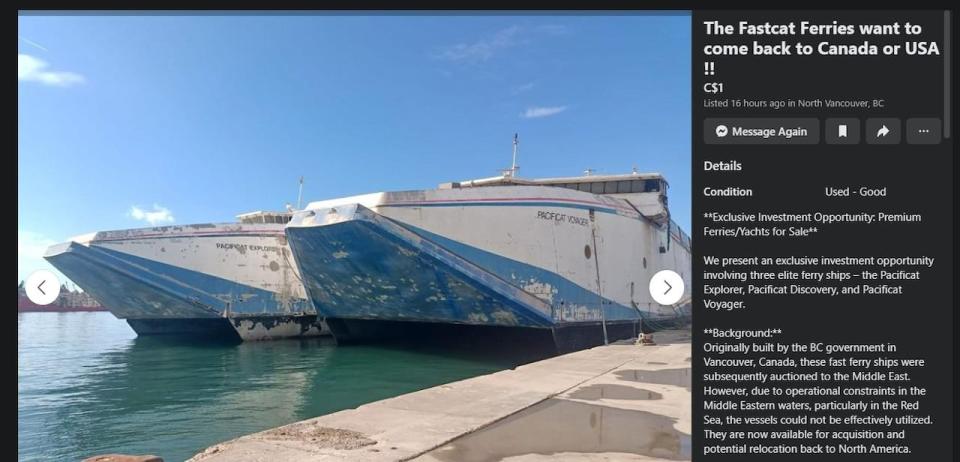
<point>505,256</point>
<point>200,279</point>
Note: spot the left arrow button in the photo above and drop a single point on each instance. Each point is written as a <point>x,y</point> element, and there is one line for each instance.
<point>36,292</point>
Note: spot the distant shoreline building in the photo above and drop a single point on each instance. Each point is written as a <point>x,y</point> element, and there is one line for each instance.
<point>69,300</point>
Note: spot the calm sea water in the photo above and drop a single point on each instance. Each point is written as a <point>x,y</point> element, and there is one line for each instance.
<point>87,385</point>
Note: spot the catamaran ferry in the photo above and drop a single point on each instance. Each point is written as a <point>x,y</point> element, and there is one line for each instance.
<point>568,260</point>
<point>233,279</point>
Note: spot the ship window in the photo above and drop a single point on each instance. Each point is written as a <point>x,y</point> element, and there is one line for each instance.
<point>636,186</point>
<point>596,188</point>
<point>610,187</point>
<point>651,185</point>
<point>584,187</point>
<point>623,186</point>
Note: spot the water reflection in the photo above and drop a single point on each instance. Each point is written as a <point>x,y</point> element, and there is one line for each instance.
<point>559,426</point>
<point>87,385</point>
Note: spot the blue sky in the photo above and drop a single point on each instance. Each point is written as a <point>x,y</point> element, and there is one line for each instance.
<point>128,121</point>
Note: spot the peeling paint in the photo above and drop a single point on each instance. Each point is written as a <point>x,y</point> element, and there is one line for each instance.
<point>478,318</point>
<point>543,290</point>
<point>278,327</point>
<point>174,272</point>
<point>505,318</point>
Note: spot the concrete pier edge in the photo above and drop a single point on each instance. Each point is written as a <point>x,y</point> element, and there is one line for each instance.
<point>642,392</point>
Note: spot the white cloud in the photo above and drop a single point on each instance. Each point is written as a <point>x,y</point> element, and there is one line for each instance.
<point>522,88</point>
<point>31,69</point>
<point>485,48</point>
<point>537,111</point>
<point>482,49</point>
<point>32,43</point>
<point>31,244</point>
<point>157,215</point>
<point>553,29</point>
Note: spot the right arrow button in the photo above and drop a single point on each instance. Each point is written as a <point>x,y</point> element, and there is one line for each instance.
<point>672,282</point>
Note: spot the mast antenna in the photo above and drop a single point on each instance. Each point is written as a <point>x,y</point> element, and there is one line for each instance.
<point>300,193</point>
<point>516,149</point>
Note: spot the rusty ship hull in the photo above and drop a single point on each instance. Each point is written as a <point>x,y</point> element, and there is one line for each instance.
<point>233,280</point>
<point>527,258</point>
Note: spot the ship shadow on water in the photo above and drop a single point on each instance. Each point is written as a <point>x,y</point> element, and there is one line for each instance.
<point>517,344</point>
<point>503,345</point>
<point>500,345</point>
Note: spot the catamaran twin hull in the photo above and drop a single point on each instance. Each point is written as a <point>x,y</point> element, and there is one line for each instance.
<point>209,279</point>
<point>543,258</point>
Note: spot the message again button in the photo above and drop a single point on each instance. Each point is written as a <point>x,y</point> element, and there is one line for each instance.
<point>761,131</point>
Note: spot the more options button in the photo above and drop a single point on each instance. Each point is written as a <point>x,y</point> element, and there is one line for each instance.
<point>761,131</point>
<point>923,131</point>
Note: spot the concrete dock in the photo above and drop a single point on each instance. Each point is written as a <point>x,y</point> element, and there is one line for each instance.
<point>616,402</point>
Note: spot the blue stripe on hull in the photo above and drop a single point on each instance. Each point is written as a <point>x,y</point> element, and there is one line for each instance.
<point>369,268</point>
<point>135,287</point>
<point>365,267</point>
<point>566,293</point>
